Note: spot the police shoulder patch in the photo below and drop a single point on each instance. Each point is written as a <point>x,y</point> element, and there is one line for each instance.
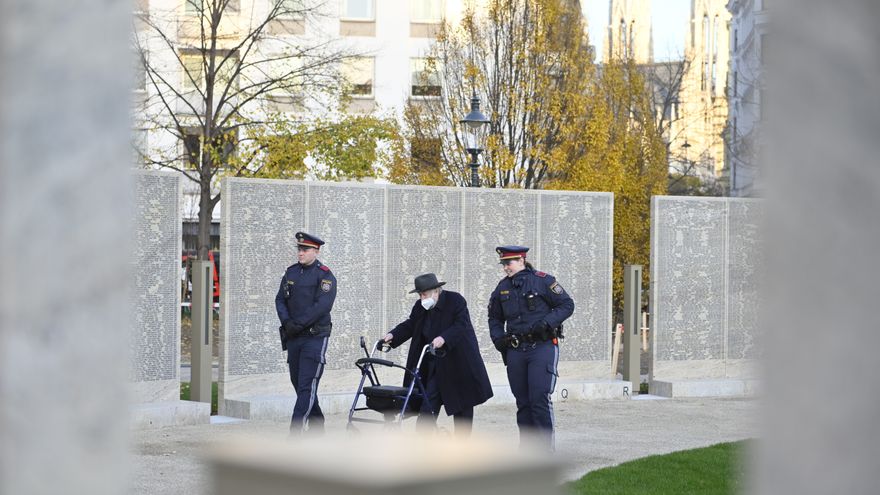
<point>325,268</point>
<point>541,274</point>
<point>326,285</point>
<point>556,288</point>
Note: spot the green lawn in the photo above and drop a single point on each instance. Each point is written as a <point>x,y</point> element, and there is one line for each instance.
<point>184,395</point>
<point>715,469</point>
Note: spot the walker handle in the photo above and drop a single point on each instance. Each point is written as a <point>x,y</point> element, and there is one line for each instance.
<point>383,362</point>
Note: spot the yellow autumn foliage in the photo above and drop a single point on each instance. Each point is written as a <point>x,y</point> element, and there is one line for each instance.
<point>558,121</point>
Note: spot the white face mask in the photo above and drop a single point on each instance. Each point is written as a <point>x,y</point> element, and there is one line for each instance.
<point>428,302</point>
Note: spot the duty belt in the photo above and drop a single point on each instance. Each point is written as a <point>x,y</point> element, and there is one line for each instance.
<point>317,329</point>
<point>518,339</point>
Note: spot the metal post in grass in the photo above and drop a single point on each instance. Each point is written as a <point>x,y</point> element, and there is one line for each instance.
<point>201,341</point>
<point>632,311</point>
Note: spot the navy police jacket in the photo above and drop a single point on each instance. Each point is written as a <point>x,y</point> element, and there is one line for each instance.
<point>306,296</point>
<point>525,299</point>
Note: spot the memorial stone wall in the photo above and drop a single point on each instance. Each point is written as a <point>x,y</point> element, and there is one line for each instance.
<point>705,267</point>
<point>378,239</point>
<point>154,337</point>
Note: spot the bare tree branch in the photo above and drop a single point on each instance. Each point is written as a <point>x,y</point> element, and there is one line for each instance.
<point>212,110</point>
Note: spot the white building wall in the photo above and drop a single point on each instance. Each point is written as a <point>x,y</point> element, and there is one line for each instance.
<point>392,38</point>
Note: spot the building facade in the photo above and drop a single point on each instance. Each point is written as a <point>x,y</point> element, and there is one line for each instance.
<point>629,32</point>
<point>689,94</point>
<point>390,39</point>
<point>698,136</point>
<point>746,93</point>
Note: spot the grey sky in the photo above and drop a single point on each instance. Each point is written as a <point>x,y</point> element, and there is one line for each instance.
<point>668,17</point>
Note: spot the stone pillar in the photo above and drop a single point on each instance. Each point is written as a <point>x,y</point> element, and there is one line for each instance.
<point>632,312</point>
<point>201,341</point>
<point>64,217</point>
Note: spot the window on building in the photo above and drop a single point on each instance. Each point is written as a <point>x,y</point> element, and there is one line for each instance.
<point>225,144</point>
<point>287,71</point>
<point>426,10</point>
<point>706,35</point>
<point>359,73</point>
<point>424,78</point>
<point>226,73</point>
<point>763,48</point>
<point>192,147</point>
<point>735,84</point>
<point>358,10</point>
<point>715,29</point>
<point>693,33</point>
<point>703,75</point>
<point>761,111</point>
<point>194,71</point>
<point>632,38</point>
<point>290,9</point>
<point>706,52</point>
<point>139,146</point>
<point>735,39</point>
<point>198,6</point>
<point>622,35</point>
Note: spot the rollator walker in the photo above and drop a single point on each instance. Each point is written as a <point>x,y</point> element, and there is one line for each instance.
<point>395,403</point>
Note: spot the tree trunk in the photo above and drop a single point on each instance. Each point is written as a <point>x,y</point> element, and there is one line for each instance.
<point>206,208</point>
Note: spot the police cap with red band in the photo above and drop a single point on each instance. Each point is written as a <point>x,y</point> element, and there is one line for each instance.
<point>308,240</point>
<point>511,252</point>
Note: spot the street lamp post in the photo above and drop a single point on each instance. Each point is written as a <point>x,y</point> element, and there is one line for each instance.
<point>475,126</point>
<point>474,164</point>
<point>687,163</point>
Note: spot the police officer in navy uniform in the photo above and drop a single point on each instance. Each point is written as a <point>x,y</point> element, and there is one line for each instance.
<point>303,302</point>
<point>526,312</point>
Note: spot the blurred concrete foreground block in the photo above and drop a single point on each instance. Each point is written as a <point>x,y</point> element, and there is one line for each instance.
<point>64,199</point>
<point>396,464</point>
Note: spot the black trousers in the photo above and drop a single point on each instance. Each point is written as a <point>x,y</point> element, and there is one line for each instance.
<point>430,409</point>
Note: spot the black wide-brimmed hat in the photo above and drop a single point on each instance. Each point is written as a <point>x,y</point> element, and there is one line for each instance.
<point>425,282</point>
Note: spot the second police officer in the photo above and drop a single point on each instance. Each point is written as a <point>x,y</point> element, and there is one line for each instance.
<point>303,303</point>
<point>526,311</point>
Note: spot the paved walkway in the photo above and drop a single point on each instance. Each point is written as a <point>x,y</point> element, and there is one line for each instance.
<point>590,435</point>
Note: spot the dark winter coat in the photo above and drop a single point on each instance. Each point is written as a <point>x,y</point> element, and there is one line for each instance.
<point>461,374</point>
